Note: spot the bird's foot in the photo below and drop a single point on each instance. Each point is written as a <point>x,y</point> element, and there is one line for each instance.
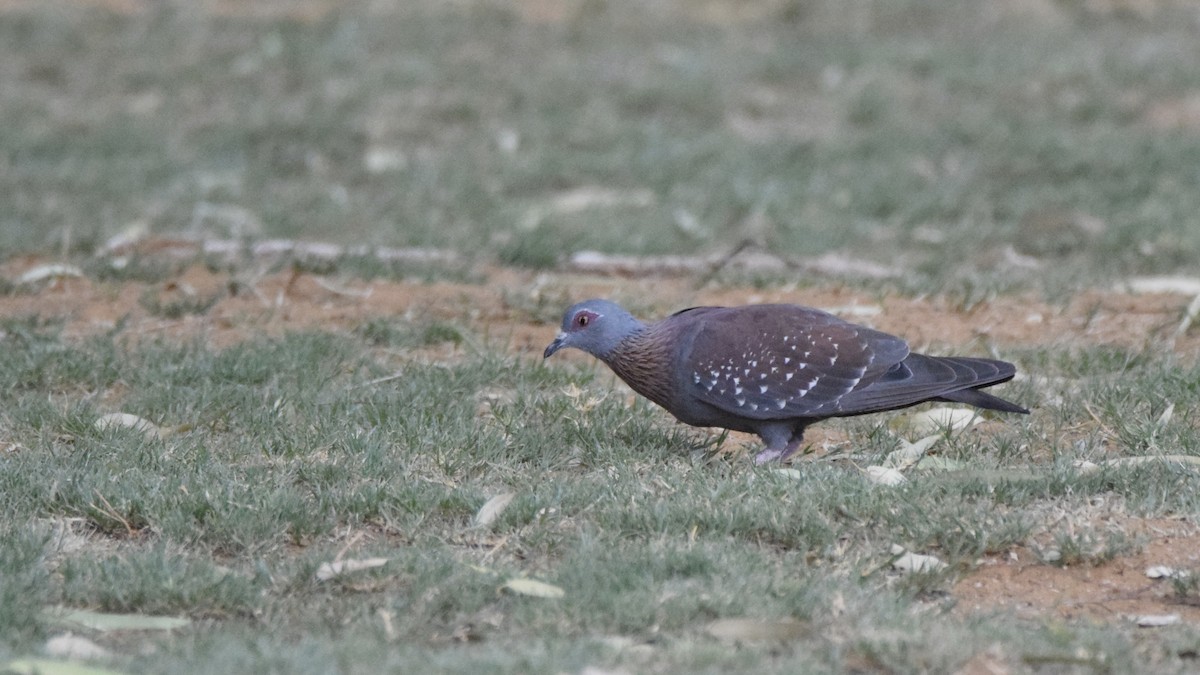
<point>767,455</point>
<point>790,449</point>
<point>773,454</point>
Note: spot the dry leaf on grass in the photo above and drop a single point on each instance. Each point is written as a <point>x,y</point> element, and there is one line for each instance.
<point>938,420</point>
<point>1156,620</point>
<point>532,588</point>
<point>1085,467</point>
<point>51,271</point>
<point>1164,572</point>
<point>1165,418</point>
<point>745,629</point>
<point>491,509</point>
<point>1189,316</point>
<point>908,561</point>
<point>128,421</point>
<point>100,621</point>
<point>842,265</point>
<point>52,667</point>
<point>124,240</point>
<point>882,475</point>
<point>337,568</point>
<point>1164,284</point>
<point>909,454</point>
<point>71,646</point>
<point>594,262</point>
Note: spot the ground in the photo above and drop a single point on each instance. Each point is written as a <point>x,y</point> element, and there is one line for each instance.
<point>497,305</point>
<point>316,249</point>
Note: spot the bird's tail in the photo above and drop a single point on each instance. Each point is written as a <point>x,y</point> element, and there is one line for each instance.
<point>938,378</point>
<point>981,399</point>
<point>975,374</point>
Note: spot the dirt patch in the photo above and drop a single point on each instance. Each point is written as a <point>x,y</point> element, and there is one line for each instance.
<point>1118,589</point>
<point>520,308</point>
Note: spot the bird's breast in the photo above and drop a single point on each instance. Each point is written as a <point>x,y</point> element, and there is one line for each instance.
<point>646,363</point>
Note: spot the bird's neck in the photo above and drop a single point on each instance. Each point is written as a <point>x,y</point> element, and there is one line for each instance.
<point>643,361</point>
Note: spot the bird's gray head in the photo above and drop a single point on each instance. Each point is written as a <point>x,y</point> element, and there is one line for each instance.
<point>595,326</point>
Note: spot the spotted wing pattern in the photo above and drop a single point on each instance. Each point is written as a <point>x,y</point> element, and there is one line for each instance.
<point>775,362</point>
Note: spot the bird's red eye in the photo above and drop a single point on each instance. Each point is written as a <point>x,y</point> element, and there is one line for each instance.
<point>583,318</point>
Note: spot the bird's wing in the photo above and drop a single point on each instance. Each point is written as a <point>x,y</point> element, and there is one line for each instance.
<point>769,362</point>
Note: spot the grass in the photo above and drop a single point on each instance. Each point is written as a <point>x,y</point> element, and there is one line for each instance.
<point>939,138</point>
<point>932,142</point>
<point>292,457</point>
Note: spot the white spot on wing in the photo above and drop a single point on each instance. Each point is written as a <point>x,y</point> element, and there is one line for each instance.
<point>740,401</point>
<point>781,403</point>
<point>762,388</point>
<point>787,377</point>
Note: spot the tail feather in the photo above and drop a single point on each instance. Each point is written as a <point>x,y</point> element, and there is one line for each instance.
<point>981,399</point>
<point>929,378</point>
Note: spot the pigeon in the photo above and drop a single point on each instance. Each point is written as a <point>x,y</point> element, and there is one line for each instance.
<point>772,370</point>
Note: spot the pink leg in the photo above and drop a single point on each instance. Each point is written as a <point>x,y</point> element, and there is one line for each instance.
<point>776,437</point>
<point>768,455</point>
<point>790,449</point>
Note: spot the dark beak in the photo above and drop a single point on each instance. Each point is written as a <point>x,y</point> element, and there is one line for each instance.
<point>555,346</point>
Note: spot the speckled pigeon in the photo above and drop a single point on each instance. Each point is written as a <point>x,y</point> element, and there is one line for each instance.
<point>772,370</point>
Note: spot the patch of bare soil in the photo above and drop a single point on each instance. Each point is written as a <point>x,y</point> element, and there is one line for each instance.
<point>1119,589</point>
<point>517,311</point>
<point>520,308</point>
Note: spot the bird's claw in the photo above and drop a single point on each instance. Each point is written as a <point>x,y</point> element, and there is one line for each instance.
<point>767,455</point>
